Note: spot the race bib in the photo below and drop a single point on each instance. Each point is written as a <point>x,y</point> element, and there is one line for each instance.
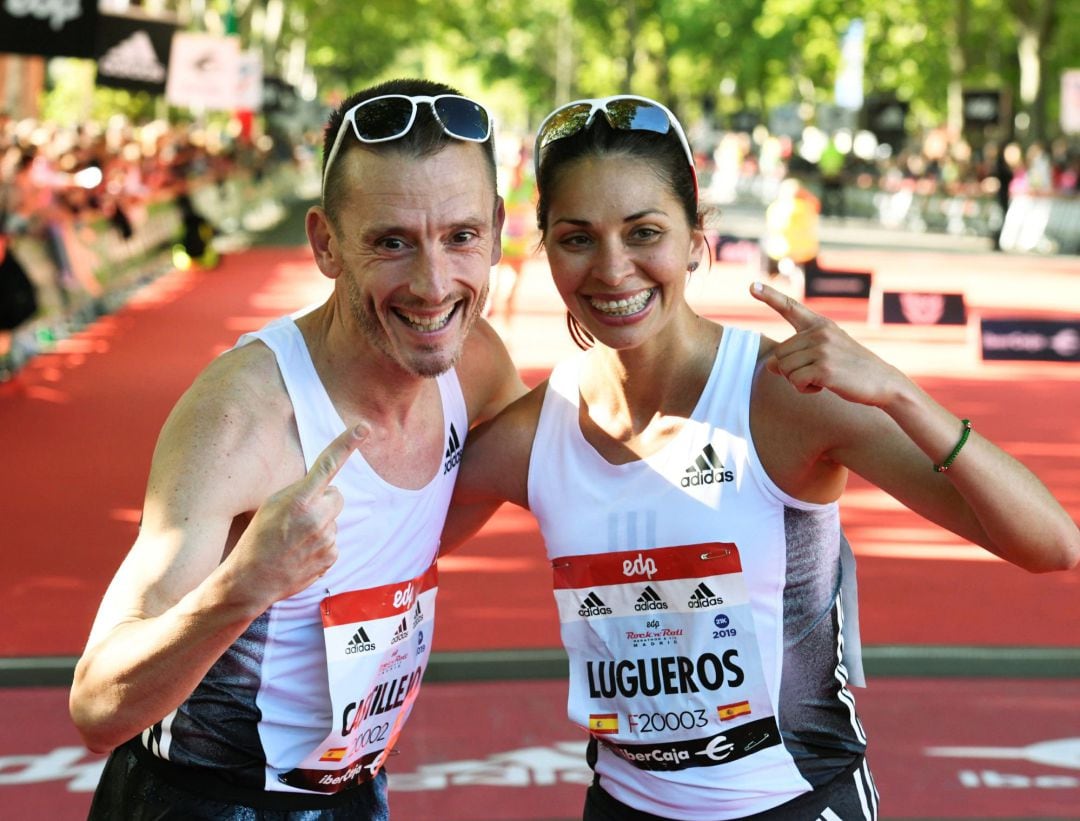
<point>664,662</point>
<point>377,646</point>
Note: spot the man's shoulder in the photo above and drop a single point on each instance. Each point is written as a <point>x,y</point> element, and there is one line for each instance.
<point>242,388</point>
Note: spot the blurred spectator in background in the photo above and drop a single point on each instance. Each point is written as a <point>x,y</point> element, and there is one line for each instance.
<point>792,235</point>
<point>999,170</point>
<point>519,234</point>
<point>831,166</point>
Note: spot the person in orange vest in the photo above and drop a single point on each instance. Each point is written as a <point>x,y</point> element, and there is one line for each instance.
<point>792,232</point>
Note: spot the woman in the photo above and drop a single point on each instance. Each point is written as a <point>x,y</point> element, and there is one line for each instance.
<point>685,477</point>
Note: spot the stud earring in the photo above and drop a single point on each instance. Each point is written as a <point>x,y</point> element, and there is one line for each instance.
<point>692,266</point>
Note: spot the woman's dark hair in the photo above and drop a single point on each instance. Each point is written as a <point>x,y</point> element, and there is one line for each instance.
<point>663,152</point>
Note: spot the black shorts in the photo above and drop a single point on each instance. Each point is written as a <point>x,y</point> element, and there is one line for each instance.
<point>137,786</point>
<point>851,796</point>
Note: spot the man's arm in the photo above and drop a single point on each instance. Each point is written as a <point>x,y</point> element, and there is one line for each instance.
<point>196,577</point>
<point>494,469</point>
<point>490,382</point>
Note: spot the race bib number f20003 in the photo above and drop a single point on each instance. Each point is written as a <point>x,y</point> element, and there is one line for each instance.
<point>664,663</point>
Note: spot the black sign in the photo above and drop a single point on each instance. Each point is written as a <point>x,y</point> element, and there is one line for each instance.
<point>729,248</point>
<point>982,108</point>
<point>277,95</point>
<point>844,284</point>
<point>745,120</point>
<point>1031,339</point>
<point>51,28</point>
<point>923,309</point>
<point>133,53</point>
<point>885,117</point>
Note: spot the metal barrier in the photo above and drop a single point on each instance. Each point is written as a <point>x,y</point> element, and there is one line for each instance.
<point>1042,224</point>
<point>108,267</point>
<point>1045,224</point>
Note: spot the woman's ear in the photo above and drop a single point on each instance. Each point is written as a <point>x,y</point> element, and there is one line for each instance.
<point>498,218</point>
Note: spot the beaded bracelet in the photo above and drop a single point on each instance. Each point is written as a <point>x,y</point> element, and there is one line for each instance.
<point>944,466</point>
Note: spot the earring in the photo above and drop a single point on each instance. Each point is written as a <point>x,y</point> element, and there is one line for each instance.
<point>692,266</point>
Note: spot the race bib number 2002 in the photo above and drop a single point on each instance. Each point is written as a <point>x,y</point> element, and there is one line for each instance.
<point>664,663</point>
<point>377,645</point>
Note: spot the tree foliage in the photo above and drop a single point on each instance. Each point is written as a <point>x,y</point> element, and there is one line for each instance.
<point>701,56</point>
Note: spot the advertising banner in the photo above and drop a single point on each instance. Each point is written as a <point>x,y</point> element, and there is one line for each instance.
<point>133,53</point>
<point>841,284</point>
<point>1031,339</point>
<point>50,28</point>
<point>910,308</point>
<point>204,71</point>
<point>983,108</point>
<point>1070,101</point>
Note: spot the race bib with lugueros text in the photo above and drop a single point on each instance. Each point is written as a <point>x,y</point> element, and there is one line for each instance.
<point>665,669</point>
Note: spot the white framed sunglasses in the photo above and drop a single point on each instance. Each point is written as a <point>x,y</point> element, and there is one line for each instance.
<point>625,112</point>
<point>390,116</point>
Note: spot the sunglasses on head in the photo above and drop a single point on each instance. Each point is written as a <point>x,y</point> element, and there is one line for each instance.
<point>390,117</point>
<point>624,112</point>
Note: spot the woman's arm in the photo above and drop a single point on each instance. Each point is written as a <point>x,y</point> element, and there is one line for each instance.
<point>866,415</point>
<point>494,469</point>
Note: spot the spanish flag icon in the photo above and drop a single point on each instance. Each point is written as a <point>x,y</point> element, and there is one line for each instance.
<point>730,711</point>
<point>333,754</point>
<point>603,723</point>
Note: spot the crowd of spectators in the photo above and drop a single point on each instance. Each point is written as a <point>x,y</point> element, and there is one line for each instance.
<point>60,187</point>
<point>935,163</point>
<point>934,182</point>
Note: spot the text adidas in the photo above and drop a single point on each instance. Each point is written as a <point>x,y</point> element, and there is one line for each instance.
<point>713,477</point>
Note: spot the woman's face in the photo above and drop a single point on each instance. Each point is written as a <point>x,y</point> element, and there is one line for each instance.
<point>618,244</point>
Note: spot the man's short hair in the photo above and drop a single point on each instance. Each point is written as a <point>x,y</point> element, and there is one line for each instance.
<point>424,138</point>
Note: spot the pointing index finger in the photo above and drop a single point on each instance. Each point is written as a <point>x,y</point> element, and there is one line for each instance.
<point>797,314</point>
<point>333,458</point>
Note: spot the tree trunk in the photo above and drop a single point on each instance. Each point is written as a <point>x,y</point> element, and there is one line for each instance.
<point>957,68</point>
<point>1034,22</point>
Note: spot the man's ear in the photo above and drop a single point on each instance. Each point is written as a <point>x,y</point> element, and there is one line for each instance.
<point>498,218</point>
<point>324,246</point>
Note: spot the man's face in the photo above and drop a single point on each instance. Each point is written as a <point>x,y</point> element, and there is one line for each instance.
<point>416,238</point>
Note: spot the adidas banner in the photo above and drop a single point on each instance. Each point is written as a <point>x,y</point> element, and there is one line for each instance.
<point>133,53</point>
<point>50,28</point>
<point>1031,339</point>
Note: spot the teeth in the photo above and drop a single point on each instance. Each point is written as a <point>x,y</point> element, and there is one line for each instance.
<point>622,307</point>
<point>427,323</point>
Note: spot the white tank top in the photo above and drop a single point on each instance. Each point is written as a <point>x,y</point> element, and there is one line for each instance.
<point>700,606</point>
<point>265,705</point>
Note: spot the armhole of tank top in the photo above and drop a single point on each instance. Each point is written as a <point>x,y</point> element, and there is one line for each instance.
<point>749,351</point>
<point>564,375</point>
<point>287,343</point>
<point>454,408</point>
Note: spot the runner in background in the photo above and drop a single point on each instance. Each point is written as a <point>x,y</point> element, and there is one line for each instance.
<point>792,236</point>
<point>518,241</point>
<point>686,478</point>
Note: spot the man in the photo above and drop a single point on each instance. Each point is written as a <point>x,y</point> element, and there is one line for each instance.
<point>262,644</point>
